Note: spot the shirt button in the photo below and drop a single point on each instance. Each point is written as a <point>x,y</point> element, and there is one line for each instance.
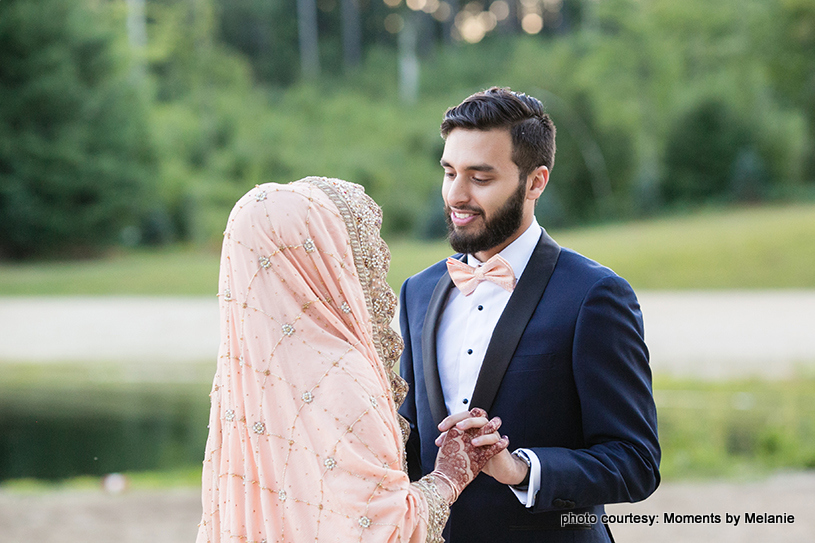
<point>469,351</point>
<point>480,307</point>
<point>465,401</point>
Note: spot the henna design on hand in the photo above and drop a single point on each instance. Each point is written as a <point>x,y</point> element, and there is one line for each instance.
<point>459,461</point>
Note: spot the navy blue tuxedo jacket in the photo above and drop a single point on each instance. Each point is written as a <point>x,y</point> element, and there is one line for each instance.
<point>567,371</point>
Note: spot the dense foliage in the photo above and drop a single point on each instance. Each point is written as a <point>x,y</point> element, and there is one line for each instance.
<point>658,104</point>
<point>75,150</point>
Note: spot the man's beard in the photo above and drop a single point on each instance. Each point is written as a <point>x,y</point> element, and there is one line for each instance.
<point>497,229</point>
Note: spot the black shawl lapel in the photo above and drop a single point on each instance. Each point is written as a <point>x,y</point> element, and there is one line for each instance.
<point>513,321</point>
<point>431,369</point>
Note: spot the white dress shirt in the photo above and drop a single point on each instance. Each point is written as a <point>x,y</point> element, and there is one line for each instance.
<point>464,333</point>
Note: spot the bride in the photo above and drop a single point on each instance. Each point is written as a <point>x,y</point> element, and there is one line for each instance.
<point>305,443</point>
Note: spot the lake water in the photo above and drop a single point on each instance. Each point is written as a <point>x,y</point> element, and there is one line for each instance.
<point>59,421</point>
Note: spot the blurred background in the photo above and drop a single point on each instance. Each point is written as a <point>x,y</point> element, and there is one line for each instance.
<point>128,129</point>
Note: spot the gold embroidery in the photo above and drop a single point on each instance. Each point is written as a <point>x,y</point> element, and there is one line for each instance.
<point>437,509</point>
<point>363,219</point>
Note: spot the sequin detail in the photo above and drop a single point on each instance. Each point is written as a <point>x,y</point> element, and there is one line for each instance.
<point>360,257</point>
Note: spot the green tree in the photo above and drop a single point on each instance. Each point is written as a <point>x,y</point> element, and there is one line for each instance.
<point>75,154</point>
<point>790,54</point>
<point>702,152</point>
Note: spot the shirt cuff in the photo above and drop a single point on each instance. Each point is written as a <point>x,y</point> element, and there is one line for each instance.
<point>527,496</point>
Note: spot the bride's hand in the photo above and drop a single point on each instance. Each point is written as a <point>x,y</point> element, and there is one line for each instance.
<point>464,451</point>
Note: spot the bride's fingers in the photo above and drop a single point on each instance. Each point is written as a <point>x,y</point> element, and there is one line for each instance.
<point>502,444</point>
<point>492,426</point>
<point>488,434</point>
<point>478,412</point>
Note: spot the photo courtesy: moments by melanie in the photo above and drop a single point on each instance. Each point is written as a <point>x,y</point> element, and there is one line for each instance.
<point>588,519</point>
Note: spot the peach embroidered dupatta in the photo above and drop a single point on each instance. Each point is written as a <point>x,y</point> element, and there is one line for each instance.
<point>305,443</point>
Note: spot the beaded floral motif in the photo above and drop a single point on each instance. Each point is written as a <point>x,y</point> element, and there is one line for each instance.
<point>229,416</point>
<point>227,295</point>
<point>260,196</point>
<point>364,258</point>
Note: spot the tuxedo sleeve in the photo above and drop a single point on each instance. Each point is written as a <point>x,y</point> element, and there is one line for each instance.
<point>620,458</point>
<point>408,409</point>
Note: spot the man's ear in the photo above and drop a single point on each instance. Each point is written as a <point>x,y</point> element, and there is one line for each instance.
<point>536,182</point>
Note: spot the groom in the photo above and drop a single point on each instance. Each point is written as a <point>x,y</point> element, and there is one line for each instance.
<point>536,334</point>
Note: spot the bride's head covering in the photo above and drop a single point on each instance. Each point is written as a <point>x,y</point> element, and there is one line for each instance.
<point>305,443</point>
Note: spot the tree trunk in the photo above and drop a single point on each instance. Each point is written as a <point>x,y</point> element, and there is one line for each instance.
<point>309,44</point>
<point>409,60</point>
<point>351,34</point>
<point>137,36</point>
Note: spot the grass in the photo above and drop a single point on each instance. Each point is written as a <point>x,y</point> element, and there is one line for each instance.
<point>758,247</point>
<point>139,480</point>
<point>166,272</point>
<point>740,428</point>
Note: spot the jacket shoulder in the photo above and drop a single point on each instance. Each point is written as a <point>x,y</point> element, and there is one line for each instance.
<point>579,269</point>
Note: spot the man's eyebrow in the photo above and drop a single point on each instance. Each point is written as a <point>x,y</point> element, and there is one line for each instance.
<point>474,167</point>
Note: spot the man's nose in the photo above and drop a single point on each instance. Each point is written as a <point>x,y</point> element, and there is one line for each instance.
<point>457,191</point>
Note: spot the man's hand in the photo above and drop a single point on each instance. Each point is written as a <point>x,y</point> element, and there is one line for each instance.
<point>506,469</point>
<point>503,467</point>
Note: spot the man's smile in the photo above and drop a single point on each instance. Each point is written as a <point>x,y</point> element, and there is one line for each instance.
<point>463,217</point>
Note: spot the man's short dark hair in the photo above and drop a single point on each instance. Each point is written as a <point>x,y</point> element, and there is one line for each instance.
<point>532,131</point>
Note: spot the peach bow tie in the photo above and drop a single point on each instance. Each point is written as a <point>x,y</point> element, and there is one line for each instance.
<point>496,270</point>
